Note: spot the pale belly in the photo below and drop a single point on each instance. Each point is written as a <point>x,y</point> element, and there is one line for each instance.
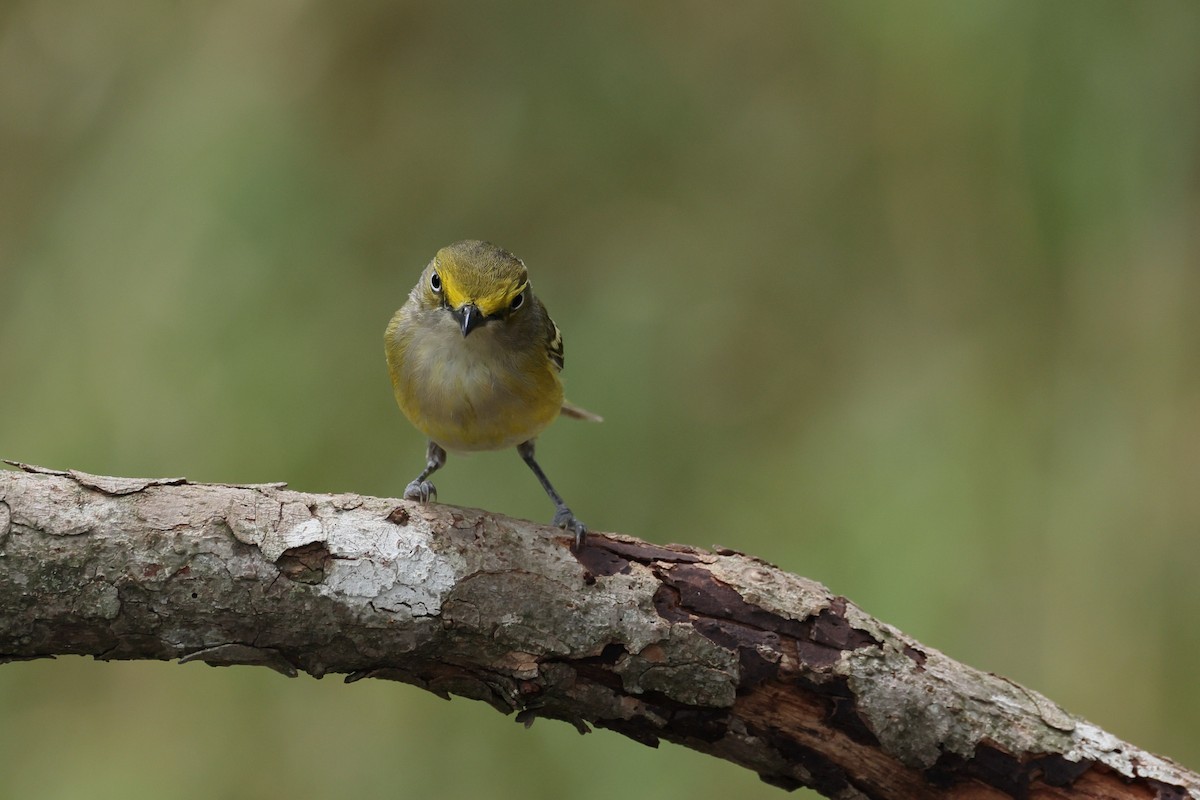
<point>466,397</point>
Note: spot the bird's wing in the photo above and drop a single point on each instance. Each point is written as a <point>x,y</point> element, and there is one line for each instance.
<point>554,349</point>
<point>554,344</point>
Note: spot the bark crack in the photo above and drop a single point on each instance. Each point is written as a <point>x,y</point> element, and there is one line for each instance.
<point>719,652</point>
<point>5,523</point>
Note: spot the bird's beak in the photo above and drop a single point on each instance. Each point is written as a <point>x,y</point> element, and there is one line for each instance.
<point>470,318</point>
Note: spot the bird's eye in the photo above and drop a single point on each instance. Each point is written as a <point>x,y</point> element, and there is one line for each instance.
<point>435,281</point>
<point>517,301</point>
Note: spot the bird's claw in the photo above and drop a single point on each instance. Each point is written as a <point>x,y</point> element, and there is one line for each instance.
<point>421,491</point>
<point>565,519</point>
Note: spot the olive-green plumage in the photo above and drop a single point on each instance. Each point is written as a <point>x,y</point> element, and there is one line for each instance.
<point>474,360</point>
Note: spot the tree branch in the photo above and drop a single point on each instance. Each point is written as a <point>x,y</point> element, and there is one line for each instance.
<point>720,652</point>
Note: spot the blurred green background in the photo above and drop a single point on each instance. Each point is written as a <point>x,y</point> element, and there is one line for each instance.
<point>898,296</point>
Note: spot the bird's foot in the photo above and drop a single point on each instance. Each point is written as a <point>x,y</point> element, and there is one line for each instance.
<point>565,519</point>
<point>422,491</point>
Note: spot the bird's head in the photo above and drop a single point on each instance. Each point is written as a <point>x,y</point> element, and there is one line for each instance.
<point>477,282</point>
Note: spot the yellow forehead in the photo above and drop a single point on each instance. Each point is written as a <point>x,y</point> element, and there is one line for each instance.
<point>489,302</point>
<point>490,278</point>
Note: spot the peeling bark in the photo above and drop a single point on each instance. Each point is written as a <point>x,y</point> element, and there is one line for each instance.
<point>718,651</point>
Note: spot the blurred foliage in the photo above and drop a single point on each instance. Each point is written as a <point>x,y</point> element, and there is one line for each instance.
<point>898,296</point>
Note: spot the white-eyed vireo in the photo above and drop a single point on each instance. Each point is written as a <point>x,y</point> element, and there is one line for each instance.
<point>474,359</point>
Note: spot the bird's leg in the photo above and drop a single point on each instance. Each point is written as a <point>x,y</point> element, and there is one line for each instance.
<point>563,517</point>
<point>421,489</point>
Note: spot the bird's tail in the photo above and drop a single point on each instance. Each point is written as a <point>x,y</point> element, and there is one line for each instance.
<point>575,412</point>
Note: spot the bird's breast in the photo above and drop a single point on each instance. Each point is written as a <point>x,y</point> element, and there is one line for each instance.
<point>474,392</point>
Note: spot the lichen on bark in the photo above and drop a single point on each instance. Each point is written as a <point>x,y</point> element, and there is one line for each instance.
<point>717,651</point>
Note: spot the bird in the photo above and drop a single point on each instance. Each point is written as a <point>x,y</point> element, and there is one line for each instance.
<point>474,359</point>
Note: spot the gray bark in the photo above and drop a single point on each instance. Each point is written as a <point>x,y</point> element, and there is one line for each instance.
<point>718,651</point>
